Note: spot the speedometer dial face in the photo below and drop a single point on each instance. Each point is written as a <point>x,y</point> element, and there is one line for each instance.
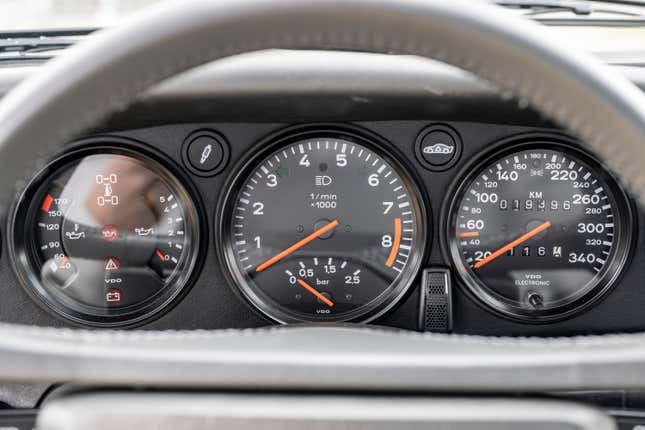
<point>539,231</point>
<point>323,227</point>
<point>108,237</point>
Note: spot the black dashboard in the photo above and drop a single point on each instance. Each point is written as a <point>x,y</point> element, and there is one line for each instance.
<point>154,219</point>
<point>398,192</point>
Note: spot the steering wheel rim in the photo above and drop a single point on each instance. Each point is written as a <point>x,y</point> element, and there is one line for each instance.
<point>70,94</point>
<point>601,107</point>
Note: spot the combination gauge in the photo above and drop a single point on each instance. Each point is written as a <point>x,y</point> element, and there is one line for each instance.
<point>106,236</point>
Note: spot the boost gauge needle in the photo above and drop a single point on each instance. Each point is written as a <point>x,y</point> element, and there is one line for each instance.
<point>315,292</point>
<point>296,246</point>
<point>539,229</point>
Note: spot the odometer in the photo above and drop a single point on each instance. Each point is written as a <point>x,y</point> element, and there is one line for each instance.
<point>323,226</point>
<point>539,231</point>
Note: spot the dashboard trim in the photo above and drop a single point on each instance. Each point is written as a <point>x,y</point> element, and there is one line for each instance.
<point>166,411</point>
<point>320,358</point>
<point>271,85</point>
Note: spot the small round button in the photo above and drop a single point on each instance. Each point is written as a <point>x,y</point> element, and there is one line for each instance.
<point>205,153</point>
<point>438,147</point>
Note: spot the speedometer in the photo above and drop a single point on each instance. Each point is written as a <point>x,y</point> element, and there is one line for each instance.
<point>539,231</point>
<point>323,226</point>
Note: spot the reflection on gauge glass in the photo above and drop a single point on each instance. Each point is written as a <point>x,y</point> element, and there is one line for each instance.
<point>108,237</point>
<point>323,227</point>
<point>539,231</point>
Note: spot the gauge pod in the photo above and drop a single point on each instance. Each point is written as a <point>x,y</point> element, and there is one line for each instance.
<point>106,235</point>
<point>538,230</point>
<point>323,225</point>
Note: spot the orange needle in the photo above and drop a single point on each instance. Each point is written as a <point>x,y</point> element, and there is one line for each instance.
<point>539,229</point>
<point>296,246</point>
<point>315,292</point>
<point>160,255</point>
<point>469,234</point>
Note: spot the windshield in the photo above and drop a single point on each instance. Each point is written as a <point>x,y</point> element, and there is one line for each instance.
<point>57,14</point>
<point>80,14</point>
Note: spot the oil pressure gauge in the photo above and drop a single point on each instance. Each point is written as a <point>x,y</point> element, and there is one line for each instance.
<point>323,226</point>
<point>106,236</point>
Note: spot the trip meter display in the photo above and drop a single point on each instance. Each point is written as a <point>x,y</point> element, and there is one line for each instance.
<point>108,237</point>
<point>323,227</point>
<point>539,231</point>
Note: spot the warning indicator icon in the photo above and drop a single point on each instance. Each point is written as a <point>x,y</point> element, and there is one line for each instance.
<point>112,264</point>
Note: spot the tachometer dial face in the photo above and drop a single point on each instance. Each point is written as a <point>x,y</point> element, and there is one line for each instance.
<point>323,227</point>
<point>539,231</point>
<point>108,237</point>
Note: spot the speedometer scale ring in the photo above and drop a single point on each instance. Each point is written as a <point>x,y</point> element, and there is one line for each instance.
<point>539,230</point>
<point>323,227</point>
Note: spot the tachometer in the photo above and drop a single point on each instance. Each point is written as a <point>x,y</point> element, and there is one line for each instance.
<point>323,227</point>
<point>539,230</point>
<point>106,236</point>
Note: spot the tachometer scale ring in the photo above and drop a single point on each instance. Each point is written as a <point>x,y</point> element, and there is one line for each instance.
<point>293,134</point>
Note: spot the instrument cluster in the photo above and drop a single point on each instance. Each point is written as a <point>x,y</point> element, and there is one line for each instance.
<point>324,223</point>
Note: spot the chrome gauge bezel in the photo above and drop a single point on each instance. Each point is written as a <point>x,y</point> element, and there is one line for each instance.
<point>23,255</point>
<point>241,282</point>
<point>475,288</point>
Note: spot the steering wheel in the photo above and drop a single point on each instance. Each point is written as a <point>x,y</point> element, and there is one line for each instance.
<point>108,72</point>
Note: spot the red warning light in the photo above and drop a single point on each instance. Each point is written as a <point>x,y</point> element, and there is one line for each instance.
<point>112,264</point>
<point>110,232</point>
<point>113,296</point>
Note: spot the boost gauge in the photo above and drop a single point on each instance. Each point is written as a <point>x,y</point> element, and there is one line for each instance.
<point>323,227</point>
<point>539,231</point>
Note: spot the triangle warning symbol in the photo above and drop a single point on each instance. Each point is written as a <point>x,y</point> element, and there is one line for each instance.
<point>111,265</point>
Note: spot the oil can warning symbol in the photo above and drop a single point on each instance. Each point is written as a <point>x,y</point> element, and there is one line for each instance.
<point>110,232</point>
<point>112,264</point>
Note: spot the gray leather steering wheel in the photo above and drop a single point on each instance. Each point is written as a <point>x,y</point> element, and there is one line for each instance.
<point>107,73</point>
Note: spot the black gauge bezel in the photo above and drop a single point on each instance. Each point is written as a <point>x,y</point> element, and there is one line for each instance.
<point>612,270</point>
<point>21,246</point>
<point>262,303</point>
